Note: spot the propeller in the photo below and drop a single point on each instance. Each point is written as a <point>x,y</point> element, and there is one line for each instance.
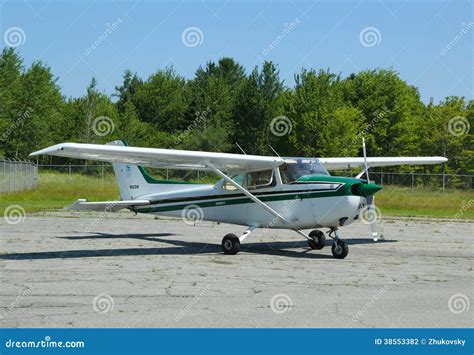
<point>371,213</point>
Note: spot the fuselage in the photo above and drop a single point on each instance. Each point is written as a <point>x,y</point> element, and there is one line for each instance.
<point>313,201</point>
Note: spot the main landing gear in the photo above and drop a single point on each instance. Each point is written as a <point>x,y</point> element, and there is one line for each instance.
<point>316,240</point>
<point>231,243</point>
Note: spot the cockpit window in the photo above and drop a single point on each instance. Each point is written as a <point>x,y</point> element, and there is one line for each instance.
<point>293,169</point>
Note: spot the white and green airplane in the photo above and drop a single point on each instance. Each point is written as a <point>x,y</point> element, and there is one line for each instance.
<point>254,191</point>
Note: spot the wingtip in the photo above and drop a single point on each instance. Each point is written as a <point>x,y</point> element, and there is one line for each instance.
<point>48,150</point>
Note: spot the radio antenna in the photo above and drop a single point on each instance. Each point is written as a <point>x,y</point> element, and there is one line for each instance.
<point>243,151</point>
<point>274,151</point>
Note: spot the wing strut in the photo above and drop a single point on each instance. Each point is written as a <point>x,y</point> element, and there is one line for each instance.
<point>256,200</point>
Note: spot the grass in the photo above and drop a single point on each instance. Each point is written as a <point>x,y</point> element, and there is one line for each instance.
<point>426,202</point>
<point>56,191</point>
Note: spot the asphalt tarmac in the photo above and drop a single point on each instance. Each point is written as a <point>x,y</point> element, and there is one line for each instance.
<point>120,270</point>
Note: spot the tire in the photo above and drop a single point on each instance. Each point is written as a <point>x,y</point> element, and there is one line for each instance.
<point>340,249</point>
<point>317,241</point>
<point>230,244</point>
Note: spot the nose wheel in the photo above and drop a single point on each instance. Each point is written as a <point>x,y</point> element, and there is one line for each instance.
<point>339,247</point>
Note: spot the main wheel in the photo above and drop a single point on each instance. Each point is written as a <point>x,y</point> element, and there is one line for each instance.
<point>339,249</point>
<point>317,239</point>
<point>230,244</point>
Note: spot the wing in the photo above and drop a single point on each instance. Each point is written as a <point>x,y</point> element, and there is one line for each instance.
<point>162,158</point>
<point>347,163</point>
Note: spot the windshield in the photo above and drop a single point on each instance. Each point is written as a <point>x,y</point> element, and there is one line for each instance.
<point>295,168</point>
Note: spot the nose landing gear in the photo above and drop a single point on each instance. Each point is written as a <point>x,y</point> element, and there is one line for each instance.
<point>339,247</point>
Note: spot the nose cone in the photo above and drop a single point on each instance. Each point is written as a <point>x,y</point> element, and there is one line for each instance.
<point>369,189</point>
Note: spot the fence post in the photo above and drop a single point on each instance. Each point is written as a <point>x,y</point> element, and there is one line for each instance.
<point>443,181</point>
<point>69,169</point>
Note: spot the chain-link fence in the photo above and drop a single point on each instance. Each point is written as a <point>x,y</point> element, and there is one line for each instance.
<point>413,180</point>
<point>22,175</point>
<point>105,171</point>
<point>17,175</point>
<point>405,179</point>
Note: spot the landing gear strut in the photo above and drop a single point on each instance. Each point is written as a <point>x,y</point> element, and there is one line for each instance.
<point>339,247</point>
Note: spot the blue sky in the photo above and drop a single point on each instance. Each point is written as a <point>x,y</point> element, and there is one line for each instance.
<point>412,37</point>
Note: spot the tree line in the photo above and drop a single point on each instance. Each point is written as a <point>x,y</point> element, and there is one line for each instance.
<point>323,114</point>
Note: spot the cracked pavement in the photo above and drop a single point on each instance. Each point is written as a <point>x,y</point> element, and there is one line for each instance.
<point>137,271</point>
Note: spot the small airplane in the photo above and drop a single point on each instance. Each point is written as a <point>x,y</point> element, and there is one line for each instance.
<point>254,191</point>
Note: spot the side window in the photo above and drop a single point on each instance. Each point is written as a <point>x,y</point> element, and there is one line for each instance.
<point>239,179</point>
<point>260,179</point>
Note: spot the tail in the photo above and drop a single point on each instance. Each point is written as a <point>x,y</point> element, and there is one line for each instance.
<point>134,182</point>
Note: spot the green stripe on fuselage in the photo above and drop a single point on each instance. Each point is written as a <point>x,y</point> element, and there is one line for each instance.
<point>344,190</point>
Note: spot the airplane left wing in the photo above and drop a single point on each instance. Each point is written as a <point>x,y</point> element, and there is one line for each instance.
<point>162,158</point>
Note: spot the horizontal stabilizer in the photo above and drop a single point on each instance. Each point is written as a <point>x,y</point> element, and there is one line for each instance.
<point>105,206</point>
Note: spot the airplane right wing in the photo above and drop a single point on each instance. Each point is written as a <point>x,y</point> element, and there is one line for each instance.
<point>347,163</point>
